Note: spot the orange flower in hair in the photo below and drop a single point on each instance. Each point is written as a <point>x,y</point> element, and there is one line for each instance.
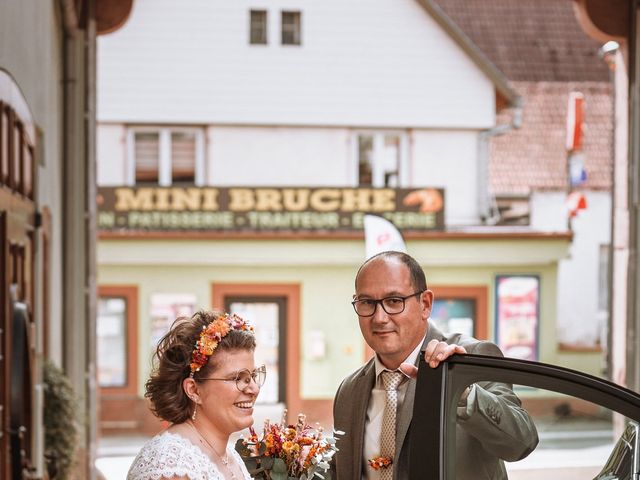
<point>211,336</point>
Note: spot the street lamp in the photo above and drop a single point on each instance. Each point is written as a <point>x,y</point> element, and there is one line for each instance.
<point>608,52</point>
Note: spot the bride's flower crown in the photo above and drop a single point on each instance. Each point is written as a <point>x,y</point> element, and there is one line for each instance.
<point>211,336</point>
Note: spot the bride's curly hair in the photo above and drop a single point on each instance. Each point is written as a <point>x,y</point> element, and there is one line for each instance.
<point>172,364</point>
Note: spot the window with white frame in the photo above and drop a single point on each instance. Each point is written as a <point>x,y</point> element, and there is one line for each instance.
<point>379,156</point>
<point>166,156</point>
<point>258,27</point>
<point>603,278</point>
<point>291,28</point>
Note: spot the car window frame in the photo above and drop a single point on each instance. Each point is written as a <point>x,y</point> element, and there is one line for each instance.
<point>432,432</point>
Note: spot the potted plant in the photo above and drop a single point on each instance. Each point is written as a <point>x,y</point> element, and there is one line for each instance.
<point>60,407</point>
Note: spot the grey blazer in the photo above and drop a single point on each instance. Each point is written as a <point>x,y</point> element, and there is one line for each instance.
<point>498,428</point>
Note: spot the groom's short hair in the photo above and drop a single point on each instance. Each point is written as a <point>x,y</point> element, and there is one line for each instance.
<point>418,278</point>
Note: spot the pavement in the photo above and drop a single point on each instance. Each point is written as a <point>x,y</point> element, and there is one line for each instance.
<point>115,455</point>
<point>567,454</point>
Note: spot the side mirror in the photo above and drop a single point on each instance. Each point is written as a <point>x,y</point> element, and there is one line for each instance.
<point>624,460</point>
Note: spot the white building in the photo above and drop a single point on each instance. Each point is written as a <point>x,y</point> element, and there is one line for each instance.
<point>275,97</point>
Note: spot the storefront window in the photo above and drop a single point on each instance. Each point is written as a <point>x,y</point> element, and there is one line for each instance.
<point>112,341</point>
<point>165,308</point>
<point>454,315</point>
<point>265,318</point>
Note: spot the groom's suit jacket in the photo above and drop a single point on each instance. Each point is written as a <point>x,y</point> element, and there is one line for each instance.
<point>497,429</point>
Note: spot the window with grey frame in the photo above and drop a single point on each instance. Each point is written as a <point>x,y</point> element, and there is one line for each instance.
<point>258,27</point>
<point>291,28</point>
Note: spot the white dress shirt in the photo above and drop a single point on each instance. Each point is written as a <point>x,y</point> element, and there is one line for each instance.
<point>375,412</point>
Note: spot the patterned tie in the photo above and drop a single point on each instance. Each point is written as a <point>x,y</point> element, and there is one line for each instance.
<point>390,380</point>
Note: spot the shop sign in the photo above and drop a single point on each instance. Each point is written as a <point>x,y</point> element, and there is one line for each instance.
<point>273,209</point>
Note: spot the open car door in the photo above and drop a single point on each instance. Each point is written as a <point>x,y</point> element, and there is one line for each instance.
<point>587,426</point>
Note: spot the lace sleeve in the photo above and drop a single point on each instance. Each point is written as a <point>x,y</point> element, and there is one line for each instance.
<point>168,456</point>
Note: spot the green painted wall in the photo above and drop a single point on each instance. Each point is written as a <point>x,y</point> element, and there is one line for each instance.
<point>325,273</point>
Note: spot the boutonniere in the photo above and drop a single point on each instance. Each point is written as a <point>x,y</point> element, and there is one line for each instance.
<point>380,462</point>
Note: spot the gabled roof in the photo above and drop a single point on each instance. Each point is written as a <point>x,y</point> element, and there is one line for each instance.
<point>476,54</point>
<point>534,157</point>
<point>529,40</point>
<point>541,49</point>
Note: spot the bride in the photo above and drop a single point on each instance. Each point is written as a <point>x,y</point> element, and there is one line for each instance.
<point>206,393</point>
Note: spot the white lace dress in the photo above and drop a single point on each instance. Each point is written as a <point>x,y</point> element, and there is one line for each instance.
<point>169,455</point>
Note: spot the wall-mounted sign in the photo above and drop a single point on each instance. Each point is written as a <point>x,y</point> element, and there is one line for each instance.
<point>274,209</point>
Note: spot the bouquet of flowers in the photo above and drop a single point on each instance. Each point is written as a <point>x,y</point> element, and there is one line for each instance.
<point>299,451</point>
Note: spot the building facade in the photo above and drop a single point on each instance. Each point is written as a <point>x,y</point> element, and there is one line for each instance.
<point>236,163</point>
<point>47,209</point>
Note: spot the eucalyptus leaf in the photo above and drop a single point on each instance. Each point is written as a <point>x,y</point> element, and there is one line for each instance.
<point>251,463</point>
<point>242,448</point>
<point>279,466</point>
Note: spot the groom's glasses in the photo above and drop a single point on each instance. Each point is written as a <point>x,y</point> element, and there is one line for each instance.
<point>243,378</point>
<point>366,307</point>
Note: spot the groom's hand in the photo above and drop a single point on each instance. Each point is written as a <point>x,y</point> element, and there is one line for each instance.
<point>435,353</point>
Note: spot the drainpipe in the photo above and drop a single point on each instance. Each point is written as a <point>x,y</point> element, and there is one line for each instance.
<point>633,272</point>
<point>78,219</point>
<point>487,205</point>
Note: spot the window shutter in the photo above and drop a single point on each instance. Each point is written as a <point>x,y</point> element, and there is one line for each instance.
<point>183,157</point>
<point>147,156</point>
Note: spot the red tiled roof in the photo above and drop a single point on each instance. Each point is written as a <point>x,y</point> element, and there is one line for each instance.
<point>530,40</point>
<point>534,157</point>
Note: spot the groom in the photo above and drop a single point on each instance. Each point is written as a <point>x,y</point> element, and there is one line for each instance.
<point>393,306</point>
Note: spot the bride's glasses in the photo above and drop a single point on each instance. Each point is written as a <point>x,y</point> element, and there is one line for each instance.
<point>243,377</point>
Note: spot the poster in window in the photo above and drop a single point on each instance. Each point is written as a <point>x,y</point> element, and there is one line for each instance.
<point>165,308</point>
<point>454,315</point>
<point>517,315</point>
